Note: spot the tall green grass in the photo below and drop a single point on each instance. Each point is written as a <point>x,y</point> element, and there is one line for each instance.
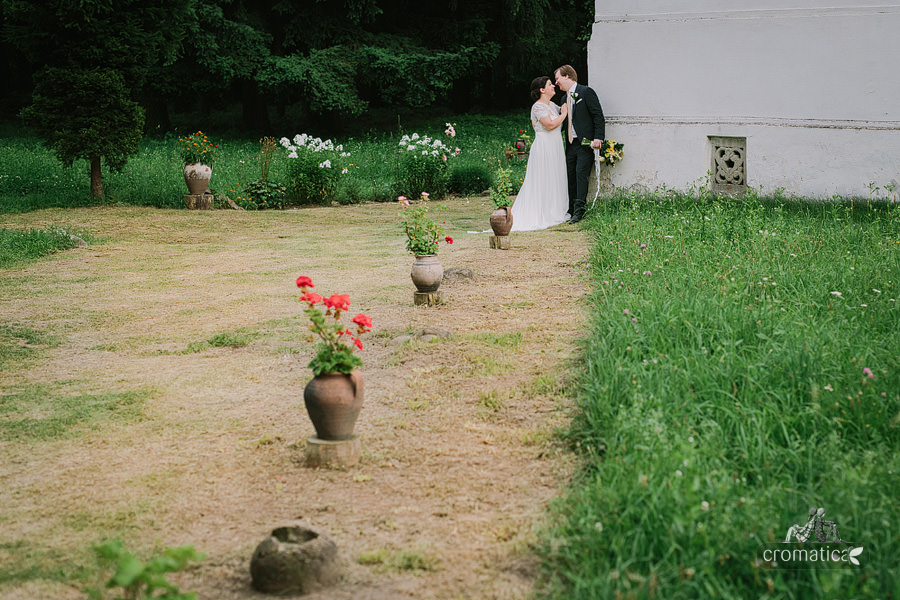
<point>31,178</point>
<point>17,246</point>
<point>743,365</point>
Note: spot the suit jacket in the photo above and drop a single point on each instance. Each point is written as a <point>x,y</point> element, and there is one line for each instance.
<point>587,114</point>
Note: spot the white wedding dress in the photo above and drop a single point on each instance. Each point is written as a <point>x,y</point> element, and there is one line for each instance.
<point>543,200</point>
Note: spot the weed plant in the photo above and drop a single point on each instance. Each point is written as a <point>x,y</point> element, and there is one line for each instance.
<point>742,366</point>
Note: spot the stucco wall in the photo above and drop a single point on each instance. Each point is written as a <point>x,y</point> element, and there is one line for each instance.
<point>811,86</point>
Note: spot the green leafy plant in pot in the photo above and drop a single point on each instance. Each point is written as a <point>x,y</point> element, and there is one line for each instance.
<point>501,217</point>
<point>423,235</point>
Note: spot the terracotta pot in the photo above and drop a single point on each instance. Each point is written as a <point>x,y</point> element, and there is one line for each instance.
<point>333,401</point>
<point>197,177</point>
<point>501,220</point>
<point>427,273</point>
<point>521,147</point>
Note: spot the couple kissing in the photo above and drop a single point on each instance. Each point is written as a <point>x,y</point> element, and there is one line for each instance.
<point>556,179</point>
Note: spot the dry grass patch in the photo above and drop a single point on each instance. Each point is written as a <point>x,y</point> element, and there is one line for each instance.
<point>197,312</point>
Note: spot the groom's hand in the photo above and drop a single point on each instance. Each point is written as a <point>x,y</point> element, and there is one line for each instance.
<point>596,143</point>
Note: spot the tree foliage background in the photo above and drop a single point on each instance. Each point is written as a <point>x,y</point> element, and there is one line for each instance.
<point>307,64</point>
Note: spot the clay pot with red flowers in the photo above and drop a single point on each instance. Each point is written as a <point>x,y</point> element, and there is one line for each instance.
<point>334,396</point>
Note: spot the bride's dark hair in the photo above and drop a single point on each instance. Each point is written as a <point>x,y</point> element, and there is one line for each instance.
<point>537,84</point>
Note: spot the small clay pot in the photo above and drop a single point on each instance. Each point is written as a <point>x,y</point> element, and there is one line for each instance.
<point>501,221</point>
<point>427,273</point>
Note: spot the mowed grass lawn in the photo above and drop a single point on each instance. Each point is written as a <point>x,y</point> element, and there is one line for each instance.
<point>742,366</point>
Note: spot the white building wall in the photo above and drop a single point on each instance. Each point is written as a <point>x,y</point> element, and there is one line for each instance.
<point>814,88</point>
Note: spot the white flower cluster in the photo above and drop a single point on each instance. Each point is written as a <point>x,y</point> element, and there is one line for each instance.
<point>424,145</point>
<point>303,140</point>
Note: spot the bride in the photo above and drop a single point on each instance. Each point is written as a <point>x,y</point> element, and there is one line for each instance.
<point>543,200</point>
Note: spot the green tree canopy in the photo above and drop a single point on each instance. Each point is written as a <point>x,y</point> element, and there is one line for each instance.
<point>91,60</point>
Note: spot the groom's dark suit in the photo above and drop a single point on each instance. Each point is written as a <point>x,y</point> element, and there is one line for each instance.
<point>587,117</point>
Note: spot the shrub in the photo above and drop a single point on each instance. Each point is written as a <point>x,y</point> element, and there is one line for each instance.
<point>423,166</point>
<point>260,194</point>
<point>350,191</point>
<point>422,174</point>
<point>313,169</point>
<point>469,179</point>
<point>311,181</point>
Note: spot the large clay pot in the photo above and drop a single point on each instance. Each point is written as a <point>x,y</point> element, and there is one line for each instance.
<point>501,220</point>
<point>333,401</point>
<point>197,176</point>
<point>427,273</point>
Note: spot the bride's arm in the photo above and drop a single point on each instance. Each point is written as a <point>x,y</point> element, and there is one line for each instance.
<point>551,123</point>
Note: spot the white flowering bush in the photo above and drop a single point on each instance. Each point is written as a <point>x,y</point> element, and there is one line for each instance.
<point>423,164</point>
<point>314,169</point>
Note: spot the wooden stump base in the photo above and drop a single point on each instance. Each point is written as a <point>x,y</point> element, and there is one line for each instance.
<point>428,298</point>
<point>332,454</point>
<point>499,242</point>
<point>199,201</point>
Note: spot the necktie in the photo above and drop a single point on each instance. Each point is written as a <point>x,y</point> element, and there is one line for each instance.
<point>570,133</point>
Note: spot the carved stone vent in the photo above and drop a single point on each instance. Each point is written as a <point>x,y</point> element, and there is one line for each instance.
<point>729,164</point>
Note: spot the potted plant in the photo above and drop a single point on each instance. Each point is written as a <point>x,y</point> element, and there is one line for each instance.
<point>501,218</point>
<point>197,157</point>
<point>523,143</point>
<point>334,397</point>
<point>422,237</point>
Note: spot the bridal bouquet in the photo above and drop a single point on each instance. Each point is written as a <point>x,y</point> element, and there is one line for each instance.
<point>611,152</point>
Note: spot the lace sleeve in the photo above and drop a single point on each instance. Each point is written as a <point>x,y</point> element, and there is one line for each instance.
<point>539,110</point>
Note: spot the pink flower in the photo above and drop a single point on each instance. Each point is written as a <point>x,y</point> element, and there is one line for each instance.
<point>304,282</point>
<point>425,194</point>
<point>868,372</point>
<point>626,311</point>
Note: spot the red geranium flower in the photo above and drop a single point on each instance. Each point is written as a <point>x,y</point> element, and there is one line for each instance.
<point>362,320</point>
<point>335,353</point>
<point>448,239</point>
<point>338,301</point>
<point>311,298</point>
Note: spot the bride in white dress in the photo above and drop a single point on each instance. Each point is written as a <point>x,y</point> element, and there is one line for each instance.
<point>543,200</point>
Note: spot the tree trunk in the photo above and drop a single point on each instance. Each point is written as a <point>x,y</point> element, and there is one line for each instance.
<point>96,179</point>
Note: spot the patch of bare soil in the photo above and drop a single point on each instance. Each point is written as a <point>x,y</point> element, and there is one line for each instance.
<point>459,459</point>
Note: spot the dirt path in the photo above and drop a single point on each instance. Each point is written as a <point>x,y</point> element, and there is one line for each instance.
<point>458,457</point>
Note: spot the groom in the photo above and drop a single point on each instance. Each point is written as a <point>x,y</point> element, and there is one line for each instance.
<point>585,122</point>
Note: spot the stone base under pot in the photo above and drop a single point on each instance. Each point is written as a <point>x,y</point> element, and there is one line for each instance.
<point>428,298</point>
<point>328,453</point>
<point>499,242</point>
<point>199,201</point>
